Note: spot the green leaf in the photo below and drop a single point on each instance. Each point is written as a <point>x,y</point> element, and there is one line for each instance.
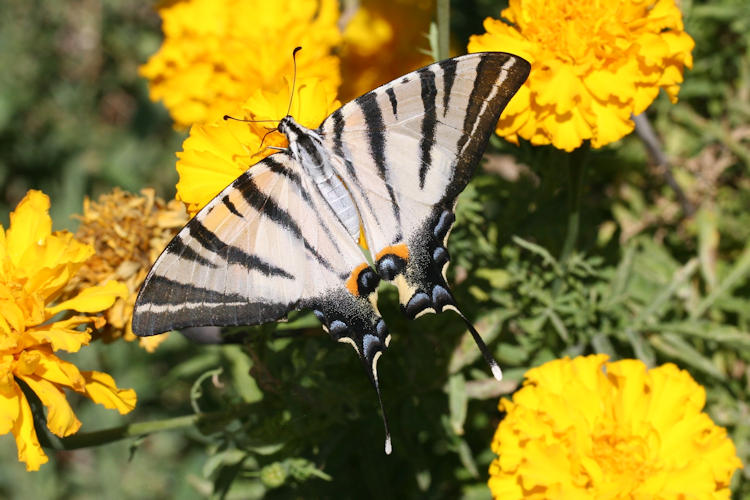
<point>540,251</point>
<point>735,276</point>
<point>221,459</point>
<point>722,334</point>
<point>619,283</point>
<point>196,391</point>
<point>498,278</point>
<point>642,349</point>
<point>675,346</point>
<point>458,402</point>
<point>652,311</point>
<point>242,381</point>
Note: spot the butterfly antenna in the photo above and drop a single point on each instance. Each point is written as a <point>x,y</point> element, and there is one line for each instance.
<point>496,371</point>
<point>227,117</point>
<point>294,78</point>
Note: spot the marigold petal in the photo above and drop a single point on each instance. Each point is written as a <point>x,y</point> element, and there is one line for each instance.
<point>561,89</point>
<point>53,264</point>
<point>152,342</point>
<point>611,123</point>
<point>30,224</point>
<point>605,85</point>
<point>63,335</point>
<point>204,68</point>
<point>60,417</point>
<point>93,299</point>
<point>101,388</point>
<point>58,371</point>
<point>9,405</point>
<point>11,314</point>
<point>29,449</point>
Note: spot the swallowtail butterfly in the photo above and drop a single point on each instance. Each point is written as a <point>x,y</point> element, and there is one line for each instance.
<point>284,235</point>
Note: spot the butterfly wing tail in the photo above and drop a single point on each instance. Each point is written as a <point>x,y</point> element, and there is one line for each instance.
<point>354,320</point>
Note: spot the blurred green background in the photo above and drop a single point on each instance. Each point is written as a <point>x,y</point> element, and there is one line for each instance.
<point>660,274</point>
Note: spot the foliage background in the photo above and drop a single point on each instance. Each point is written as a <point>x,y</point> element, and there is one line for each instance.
<point>659,274</point>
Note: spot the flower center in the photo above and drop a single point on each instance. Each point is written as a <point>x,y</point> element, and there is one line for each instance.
<point>622,456</point>
<point>577,31</point>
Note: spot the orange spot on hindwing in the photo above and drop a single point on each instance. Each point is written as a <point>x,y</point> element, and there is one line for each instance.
<point>391,261</point>
<point>400,250</point>
<point>362,281</point>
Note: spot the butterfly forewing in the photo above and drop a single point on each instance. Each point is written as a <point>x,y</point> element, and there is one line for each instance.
<point>407,149</point>
<point>264,246</point>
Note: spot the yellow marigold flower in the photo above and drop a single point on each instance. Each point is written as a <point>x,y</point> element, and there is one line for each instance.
<point>215,52</point>
<point>593,65</point>
<point>128,232</point>
<point>382,42</point>
<point>36,265</point>
<point>588,429</point>
<point>218,152</point>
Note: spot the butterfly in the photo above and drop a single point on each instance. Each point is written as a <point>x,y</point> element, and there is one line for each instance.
<point>285,234</point>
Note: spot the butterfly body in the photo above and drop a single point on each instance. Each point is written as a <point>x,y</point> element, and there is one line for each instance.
<point>307,147</point>
<point>284,235</point>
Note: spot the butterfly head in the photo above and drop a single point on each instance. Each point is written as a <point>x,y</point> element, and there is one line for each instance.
<point>288,127</point>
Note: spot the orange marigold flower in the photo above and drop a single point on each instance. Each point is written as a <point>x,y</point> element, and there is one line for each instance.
<point>593,65</point>
<point>36,265</point>
<point>128,232</point>
<point>382,41</point>
<point>216,153</point>
<point>588,429</point>
<point>216,52</point>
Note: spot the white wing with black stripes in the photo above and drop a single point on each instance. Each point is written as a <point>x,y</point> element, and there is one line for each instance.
<point>406,150</point>
<point>284,235</point>
<point>266,245</point>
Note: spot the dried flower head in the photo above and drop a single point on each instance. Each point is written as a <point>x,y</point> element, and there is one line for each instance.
<point>128,232</point>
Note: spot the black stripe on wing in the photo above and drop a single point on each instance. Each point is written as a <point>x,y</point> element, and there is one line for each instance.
<point>230,206</point>
<point>394,102</point>
<point>166,305</point>
<point>429,122</point>
<point>268,207</point>
<point>376,136</point>
<point>180,249</point>
<point>232,254</point>
<point>449,76</point>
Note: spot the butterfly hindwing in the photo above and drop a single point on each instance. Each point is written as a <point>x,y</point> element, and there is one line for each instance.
<point>407,149</point>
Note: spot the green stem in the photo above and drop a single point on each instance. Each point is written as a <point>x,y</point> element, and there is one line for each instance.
<point>105,436</point>
<point>444,28</point>
<point>576,167</point>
